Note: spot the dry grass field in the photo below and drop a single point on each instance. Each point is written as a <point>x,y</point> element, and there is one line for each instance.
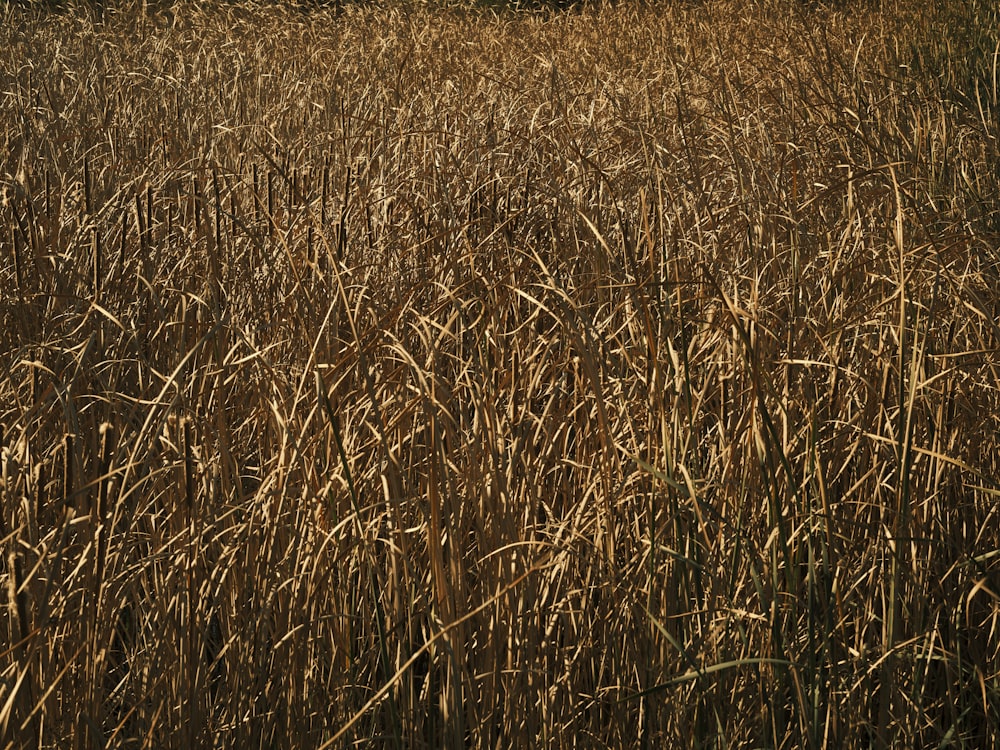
<point>418,377</point>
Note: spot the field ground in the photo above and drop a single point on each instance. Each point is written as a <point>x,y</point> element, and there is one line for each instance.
<point>418,376</point>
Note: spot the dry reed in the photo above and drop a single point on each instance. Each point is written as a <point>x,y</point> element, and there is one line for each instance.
<point>435,377</point>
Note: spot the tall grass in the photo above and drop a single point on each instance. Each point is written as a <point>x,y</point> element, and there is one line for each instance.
<point>434,378</point>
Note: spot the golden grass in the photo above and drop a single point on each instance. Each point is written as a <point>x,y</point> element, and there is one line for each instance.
<point>429,377</point>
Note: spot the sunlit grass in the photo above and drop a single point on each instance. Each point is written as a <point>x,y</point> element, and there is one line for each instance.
<point>434,377</point>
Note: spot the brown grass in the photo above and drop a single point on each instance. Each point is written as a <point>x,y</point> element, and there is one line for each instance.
<point>434,378</point>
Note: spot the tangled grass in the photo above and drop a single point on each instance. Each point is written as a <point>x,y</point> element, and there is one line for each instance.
<point>432,377</point>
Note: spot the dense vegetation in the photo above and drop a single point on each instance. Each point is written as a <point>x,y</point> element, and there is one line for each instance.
<point>439,377</point>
